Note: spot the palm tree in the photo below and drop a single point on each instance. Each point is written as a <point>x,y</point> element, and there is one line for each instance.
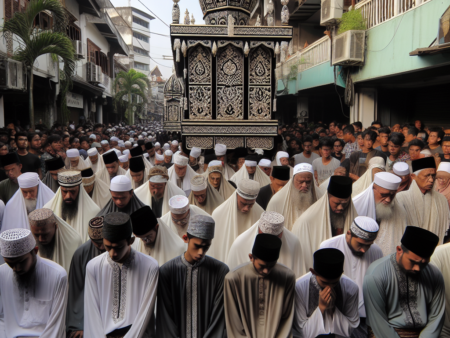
<point>34,42</point>
<point>130,84</point>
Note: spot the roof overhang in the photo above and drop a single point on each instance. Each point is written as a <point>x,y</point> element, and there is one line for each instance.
<point>304,10</point>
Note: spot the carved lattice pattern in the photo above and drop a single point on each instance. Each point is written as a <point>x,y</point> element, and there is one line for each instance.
<point>260,90</point>
<point>231,142</point>
<point>200,142</point>
<point>200,83</point>
<point>260,142</point>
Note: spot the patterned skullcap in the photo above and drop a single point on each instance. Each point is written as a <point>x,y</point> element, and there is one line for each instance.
<point>95,228</point>
<point>271,222</point>
<point>181,160</point>
<point>201,226</point>
<point>215,167</point>
<point>179,204</point>
<point>16,242</point>
<point>69,178</point>
<point>365,228</point>
<point>41,217</point>
<point>198,183</point>
<point>248,189</point>
<point>158,174</point>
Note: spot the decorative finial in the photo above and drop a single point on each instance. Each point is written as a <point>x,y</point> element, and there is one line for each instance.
<point>258,21</point>
<point>186,18</point>
<point>175,12</point>
<point>192,19</point>
<point>285,12</point>
<point>230,25</point>
<point>284,49</point>
<point>291,47</point>
<point>277,48</point>
<point>184,48</point>
<point>246,49</point>
<point>270,9</point>
<point>176,46</point>
<point>214,49</point>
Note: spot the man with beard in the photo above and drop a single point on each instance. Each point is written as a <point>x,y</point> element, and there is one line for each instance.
<point>94,160</point>
<point>234,216</point>
<point>425,207</point>
<point>72,203</point>
<point>250,170</point>
<point>330,216</point>
<point>204,195</point>
<point>122,198</point>
<point>33,289</point>
<point>53,167</point>
<point>216,179</point>
<point>180,212</point>
<point>221,154</point>
<point>360,251</point>
<point>137,173</point>
<point>96,189</point>
<point>158,191</point>
<point>74,161</point>
<point>12,166</point>
<point>77,274</point>
<point>154,238</point>
<point>32,195</point>
<point>296,196</point>
<point>402,170</point>
<point>379,202</point>
<point>404,296</point>
<point>121,285</point>
<point>307,156</point>
<point>181,173</point>
<point>112,167</point>
<point>326,301</point>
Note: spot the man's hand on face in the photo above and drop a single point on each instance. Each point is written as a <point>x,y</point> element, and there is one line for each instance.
<point>325,299</point>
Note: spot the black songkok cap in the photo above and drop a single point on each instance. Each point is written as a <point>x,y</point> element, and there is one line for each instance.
<point>110,157</point>
<point>116,227</point>
<point>209,158</point>
<point>9,158</point>
<point>55,163</point>
<point>420,241</point>
<point>267,247</point>
<point>240,152</point>
<point>423,163</point>
<point>143,220</point>
<point>252,158</point>
<point>340,186</point>
<point>329,263</point>
<point>136,151</point>
<point>87,173</point>
<point>282,173</point>
<point>137,164</point>
<point>149,145</point>
<point>140,142</point>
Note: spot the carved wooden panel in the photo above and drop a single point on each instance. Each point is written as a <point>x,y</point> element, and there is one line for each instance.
<point>260,89</point>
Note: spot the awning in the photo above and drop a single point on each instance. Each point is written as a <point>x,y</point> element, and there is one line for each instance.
<point>430,50</point>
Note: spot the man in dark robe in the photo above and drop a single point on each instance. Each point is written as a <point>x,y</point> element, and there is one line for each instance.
<point>192,278</point>
<point>279,177</point>
<point>75,306</point>
<point>122,199</point>
<point>11,164</point>
<point>53,166</point>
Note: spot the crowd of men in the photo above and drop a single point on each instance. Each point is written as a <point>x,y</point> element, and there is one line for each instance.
<point>122,231</point>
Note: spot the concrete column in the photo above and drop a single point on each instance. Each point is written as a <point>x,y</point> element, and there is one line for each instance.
<point>86,107</point>
<point>365,108</point>
<point>2,112</point>
<point>99,113</point>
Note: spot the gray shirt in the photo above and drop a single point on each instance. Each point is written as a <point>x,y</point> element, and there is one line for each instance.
<point>300,158</point>
<point>325,171</point>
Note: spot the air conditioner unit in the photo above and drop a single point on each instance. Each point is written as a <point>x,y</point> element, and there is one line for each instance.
<point>92,72</point>
<point>12,75</point>
<point>348,48</point>
<point>330,12</point>
<point>78,47</point>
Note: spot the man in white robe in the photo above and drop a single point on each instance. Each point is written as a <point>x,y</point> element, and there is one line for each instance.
<point>326,302</point>
<point>112,167</point>
<point>137,172</point>
<point>121,286</point>
<point>234,216</point>
<point>379,202</point>
<point>74,161</point>
<point>55,239</point>
<point>151,152</point>
<point>181,173</point>
<point>282,159</point>
<point>221,154</point>
<point>204,195</point>
<point>159,159</point>
<point>266,166</point>
<point>94,160</point>
<point>32,195</point>
<point>139,152</point>
<point>250,170</point>
<point>72,203</point>
<point>154,238</point>
<point>196,162</point>
<point>98,190</point>
<point>180,212</point>
<point>33,290</point>
<point>53,166</point>
<point>272,223</point>
<point>124,162</point>
<point>376,164</point>
<point>296,196</point>
<point>216,179</point>
<point>330,216</point>
<point>359,250</point>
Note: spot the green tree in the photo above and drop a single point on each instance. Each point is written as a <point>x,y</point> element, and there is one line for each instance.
<point>131,84</point>
<point>34,41</point>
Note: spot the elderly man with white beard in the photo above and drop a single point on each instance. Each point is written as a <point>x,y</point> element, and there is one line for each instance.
<point>217,180</point>
<point>296,196</point>
<point>181,173</point>
<point>94,160</point>
<point>74,161</point>
<point>379,202</point>
<point>32,195</point>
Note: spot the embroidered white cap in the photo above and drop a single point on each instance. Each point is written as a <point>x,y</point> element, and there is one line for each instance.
<point>179,204</point>
<point>303,168</point>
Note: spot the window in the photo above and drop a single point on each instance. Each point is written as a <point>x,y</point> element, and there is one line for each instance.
<point>98,57</point>
<point>73,32</point>
<point>43,21</point>
<point>141,66</point>
<point>141,37</point>
<point>140,22</point>
<point>140,51</point>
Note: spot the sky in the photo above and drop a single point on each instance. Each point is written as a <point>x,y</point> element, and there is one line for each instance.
<point>160,45</point>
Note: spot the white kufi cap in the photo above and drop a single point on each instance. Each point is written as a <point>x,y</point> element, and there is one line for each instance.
<point>16,242</point>
<point>123,158</point>
<point>92,152</point>
<point>271,222</point>
<point>73,153</point>
<point>195,152</point>
<point>444,166</point>
<point>249,163</point>
<point>365,228</point>
<point>303,168</point>
<point>181,160</point>
<point>401,169</point>
<point>168,153</point>
<point>198,183</point>
<point>387,180</point>
<point>179,204</point>
<point>28,180</point>
<point>159,157</point>
<point>248,189</point>
<point>220,149</point>
<point>120,183</point>
<point>264,163</point>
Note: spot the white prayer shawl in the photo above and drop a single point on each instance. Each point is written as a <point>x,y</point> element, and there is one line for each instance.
<point>105,177</point>
<point>147,163</point>
<point>167,245</point>
<point>323,187</point>
<point>281,202</point>
<point>429,211</point>
<point>44,315</point>
<point>365,180</point>
<point>290,253</point>
<point>173,177</point>
<point>225,189</point>
<point>318,324</point>
<point>133,183</point>
<point>151,160</point>
<point>134,290</point>
<point>228,172</point>
<point>314,226</point>
<point>355,267</point>
<point>213,200</point>
<point>230,223</point>
<point>143,193</point>
<point>101,194</point>
<point>2,211</point>
<point>167,219</point>
<point>259,176</point>
<point>16,214</point>
<point>81,164</point>
<point>97,166</point>
<point>86,211</point>
<point>392,229</point>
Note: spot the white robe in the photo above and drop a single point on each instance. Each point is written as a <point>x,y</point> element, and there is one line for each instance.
<point>167,219</point>
<point>133,183</point>
<point>104,174</point>
<point>317,324</point>
<point>290,253</point>
<point>230,223</point>
<point>43,312</point>
<point>81,164</point>
<point>131,285</point>
<point>228,172</point>
<point>355,267</point>
<point>259,176</point>
<point>167,245</point>
<point>366,180</point>
<point>143,193</point>
<point>225,189</point>
<point>16,214</point>
<point>186,183</point>
<point>101,194</point>
<point>213,200</point>
<point>97,166</point>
